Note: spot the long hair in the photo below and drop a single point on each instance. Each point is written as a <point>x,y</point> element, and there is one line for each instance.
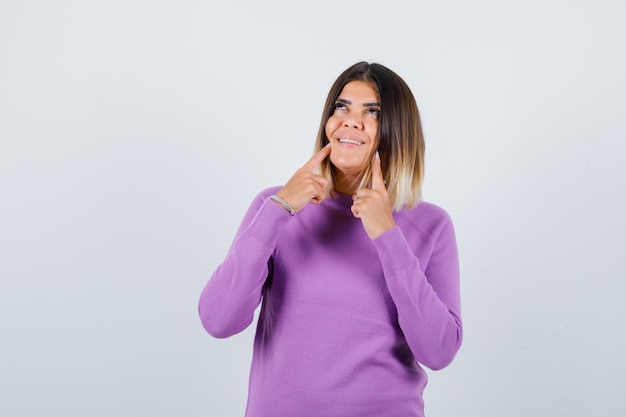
<point>400,138</point>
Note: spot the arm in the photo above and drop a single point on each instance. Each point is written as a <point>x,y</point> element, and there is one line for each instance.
<point>427,298</point>
<point>228,300</point>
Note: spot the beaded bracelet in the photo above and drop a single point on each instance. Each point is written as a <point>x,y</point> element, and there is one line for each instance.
<point>284,204</point>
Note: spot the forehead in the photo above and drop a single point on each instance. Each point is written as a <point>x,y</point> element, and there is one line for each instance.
<point>359,91</point>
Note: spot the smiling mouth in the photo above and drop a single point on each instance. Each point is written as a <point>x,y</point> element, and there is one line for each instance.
<point>352,141</point>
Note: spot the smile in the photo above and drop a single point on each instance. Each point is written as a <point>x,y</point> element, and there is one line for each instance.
<point>352,141</point>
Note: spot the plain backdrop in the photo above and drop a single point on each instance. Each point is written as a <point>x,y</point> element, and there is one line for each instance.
<point>134,134</point>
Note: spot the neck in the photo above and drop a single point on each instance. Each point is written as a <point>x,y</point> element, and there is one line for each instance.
<point>347,184</point>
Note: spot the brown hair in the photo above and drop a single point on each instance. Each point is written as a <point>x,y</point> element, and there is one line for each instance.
<point>400,139</point>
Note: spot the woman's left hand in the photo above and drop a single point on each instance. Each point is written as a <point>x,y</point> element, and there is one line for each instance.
<point>372,205</point>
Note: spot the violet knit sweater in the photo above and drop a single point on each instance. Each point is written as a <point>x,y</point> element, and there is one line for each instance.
<point>346,322</point>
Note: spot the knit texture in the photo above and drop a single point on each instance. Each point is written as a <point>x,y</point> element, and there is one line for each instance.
<point>347,323</point>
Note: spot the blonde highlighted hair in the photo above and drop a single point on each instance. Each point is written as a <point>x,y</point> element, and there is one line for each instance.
<point>400,138</point>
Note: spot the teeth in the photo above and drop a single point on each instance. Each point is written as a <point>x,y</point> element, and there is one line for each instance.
<point>346,140</point>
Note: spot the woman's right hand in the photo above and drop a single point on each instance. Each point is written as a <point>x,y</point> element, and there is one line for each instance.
<point>305,186</point>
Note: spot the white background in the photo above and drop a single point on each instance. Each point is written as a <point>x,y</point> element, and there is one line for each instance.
<point>134,134</point>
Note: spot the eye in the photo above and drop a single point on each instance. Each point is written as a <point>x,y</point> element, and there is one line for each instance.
<point>373,111</point>
<point>340,106</point>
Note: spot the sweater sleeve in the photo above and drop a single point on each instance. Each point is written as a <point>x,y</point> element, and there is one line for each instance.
<point>427,299</point>
<point>233,292</point>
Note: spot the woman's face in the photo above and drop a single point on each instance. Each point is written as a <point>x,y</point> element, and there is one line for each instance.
<point>352,129</point>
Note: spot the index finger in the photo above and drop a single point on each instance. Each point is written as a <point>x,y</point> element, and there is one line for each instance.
<point>318,158</point>
<point>378,182</point>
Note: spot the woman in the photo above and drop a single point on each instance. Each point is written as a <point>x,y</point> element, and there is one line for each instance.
<point>358,278</point>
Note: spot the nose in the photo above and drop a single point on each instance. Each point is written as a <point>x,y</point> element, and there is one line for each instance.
<point>353,121</point>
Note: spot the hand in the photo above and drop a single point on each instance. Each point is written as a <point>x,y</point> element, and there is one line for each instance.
<point>305,186</point>
<point>372,205</point>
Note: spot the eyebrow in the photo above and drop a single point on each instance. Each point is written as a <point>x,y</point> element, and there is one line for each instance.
<point>374,104</point>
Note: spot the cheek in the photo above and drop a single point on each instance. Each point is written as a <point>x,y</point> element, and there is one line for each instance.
<point>331,126</point>
<point>372,133</point>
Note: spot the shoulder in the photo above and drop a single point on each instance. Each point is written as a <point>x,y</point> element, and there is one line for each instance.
<point>260,199</point>
<point>427,219</point>
<point>259,209</point>
<point>425,211</point>
<point>266,193</point>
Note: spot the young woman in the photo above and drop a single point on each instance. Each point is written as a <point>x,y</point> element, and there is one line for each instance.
<point>358,278</point>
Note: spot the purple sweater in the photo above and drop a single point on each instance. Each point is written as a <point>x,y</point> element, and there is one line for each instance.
<point>346,322</point>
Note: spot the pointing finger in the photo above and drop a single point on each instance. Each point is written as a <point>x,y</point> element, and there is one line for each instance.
<point>378,182</point>
<point>318,158</point>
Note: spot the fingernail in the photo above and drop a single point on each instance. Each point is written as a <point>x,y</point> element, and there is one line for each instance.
<point>377,154</point>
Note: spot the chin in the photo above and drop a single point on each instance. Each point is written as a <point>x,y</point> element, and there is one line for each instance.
<point>347,164</point>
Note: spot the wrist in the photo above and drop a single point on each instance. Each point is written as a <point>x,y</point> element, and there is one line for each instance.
<point>283,204</point>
